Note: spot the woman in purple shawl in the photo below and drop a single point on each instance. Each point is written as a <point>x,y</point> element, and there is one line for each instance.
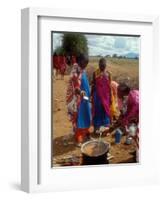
<point>101,96</point>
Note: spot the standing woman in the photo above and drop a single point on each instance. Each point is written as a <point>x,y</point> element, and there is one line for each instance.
<point>101,96</point>
<point>114,108</point>
<point>73,60</point>
<point>79,107</point>
<point>56,63</point>
<point>63,66</point>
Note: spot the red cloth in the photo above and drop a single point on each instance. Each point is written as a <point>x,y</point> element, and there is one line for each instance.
<point>59,62</point>
<point>103,90</point>
<point>73,84</point>
<point>62,64</point>
<point>81,133</point>
<point>55,62</point>
<point>73,59</point>
<point>132,107</point>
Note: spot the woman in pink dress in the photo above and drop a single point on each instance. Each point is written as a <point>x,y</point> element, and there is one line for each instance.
<point>129,104</point>
<point>101,96</point>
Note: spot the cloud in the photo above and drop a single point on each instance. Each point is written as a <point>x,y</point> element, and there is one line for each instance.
<point>120,43</point>
<point>105,44</point>
<point>109,44</point>
<point>57,40</point>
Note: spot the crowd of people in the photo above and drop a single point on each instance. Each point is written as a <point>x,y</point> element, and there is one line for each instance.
<point>101,103</point>
<point>60,63</point>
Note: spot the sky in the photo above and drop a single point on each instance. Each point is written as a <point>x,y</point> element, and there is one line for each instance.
<point>105,44</point>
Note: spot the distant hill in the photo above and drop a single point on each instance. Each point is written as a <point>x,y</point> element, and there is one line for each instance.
<point>132,55</point>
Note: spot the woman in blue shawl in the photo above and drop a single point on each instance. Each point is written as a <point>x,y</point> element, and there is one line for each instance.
<point>78,96</point>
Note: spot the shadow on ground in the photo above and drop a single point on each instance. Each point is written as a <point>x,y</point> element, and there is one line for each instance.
<point>63,144</point>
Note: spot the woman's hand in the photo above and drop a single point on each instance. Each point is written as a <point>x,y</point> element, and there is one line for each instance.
<point>82,93</point>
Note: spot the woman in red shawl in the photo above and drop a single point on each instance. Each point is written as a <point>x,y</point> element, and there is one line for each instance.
<point>101,96</point>
<point>56,63</point>
<point>62,66</point>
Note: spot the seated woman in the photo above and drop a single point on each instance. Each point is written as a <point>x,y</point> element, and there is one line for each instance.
<point>101,96</point>
<point>130,104</point>
<point>79,107</point>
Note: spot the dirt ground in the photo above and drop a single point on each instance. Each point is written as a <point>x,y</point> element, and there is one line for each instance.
<point>63,146</point>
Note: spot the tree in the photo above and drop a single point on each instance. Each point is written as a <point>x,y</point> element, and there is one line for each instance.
<point>114,55</point>
<point>74,44</point>
<point>60,50</point>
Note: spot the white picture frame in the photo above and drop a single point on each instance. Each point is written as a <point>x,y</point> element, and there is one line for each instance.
<point>36,171</point>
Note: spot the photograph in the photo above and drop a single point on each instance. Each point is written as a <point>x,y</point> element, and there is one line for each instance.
<point>95,99</point>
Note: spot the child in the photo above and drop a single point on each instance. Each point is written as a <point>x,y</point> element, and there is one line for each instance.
<point>79,108</point>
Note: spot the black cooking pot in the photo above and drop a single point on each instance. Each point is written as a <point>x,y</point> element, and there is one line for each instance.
<point>95,152</point>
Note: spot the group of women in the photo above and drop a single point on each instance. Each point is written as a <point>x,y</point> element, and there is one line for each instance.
<point>99,103</point>
<point>60,63</point>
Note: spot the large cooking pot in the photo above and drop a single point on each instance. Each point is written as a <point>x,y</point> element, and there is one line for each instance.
<point>95,152</point>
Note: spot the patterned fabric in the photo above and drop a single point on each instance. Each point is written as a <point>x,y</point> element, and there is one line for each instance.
<point>72,99</point>
<point>78,108</point>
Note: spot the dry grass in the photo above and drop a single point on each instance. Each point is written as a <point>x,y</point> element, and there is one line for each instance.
<point>121,69</point>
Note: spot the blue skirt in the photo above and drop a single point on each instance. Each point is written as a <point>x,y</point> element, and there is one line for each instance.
<point>84,110</point>
<point>100,116</point>
<point>84,115</point>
